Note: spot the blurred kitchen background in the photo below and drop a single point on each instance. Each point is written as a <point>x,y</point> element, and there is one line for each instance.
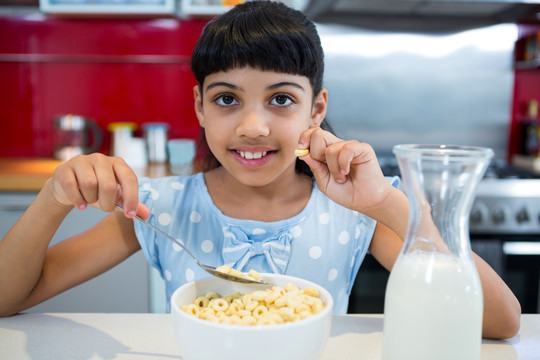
<point>400,71</point>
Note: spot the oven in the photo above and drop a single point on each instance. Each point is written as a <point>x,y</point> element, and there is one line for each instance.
<point>504,228</point>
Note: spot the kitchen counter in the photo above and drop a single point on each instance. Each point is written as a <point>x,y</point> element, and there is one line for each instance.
<point>61,336</point>
<point>25,174</point>
<point>29,174</point>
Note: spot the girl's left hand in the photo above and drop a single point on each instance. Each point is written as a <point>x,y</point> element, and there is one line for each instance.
<point>346,171</point>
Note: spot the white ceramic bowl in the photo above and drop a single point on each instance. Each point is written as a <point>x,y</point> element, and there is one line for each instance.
<point>200,339</point>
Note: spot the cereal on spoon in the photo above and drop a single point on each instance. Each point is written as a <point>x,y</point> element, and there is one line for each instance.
<point>251,275</point>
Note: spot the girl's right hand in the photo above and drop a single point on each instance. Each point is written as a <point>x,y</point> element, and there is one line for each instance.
<point>99,181</point>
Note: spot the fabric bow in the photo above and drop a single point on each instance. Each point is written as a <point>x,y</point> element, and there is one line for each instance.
<point>238,248</point>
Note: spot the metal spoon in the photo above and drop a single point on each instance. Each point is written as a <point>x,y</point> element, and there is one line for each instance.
<point>210,269</point>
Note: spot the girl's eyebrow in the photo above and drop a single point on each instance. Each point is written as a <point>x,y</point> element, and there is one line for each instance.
<point>285,83</point>
<point>221,83</point>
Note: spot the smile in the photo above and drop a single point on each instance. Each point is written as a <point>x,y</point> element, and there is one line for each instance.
<point>251,155</point>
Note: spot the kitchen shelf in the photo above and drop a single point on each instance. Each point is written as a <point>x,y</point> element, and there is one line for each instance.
<point>128,7</point>
<point>198,8</point>
<point>525,65</point>
<point>188,8</point>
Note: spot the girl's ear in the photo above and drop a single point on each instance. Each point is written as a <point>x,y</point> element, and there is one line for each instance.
<point>318,110</point>
<point>198,104</point>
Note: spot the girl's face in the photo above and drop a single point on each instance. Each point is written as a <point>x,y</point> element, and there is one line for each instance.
<point>253,120</point>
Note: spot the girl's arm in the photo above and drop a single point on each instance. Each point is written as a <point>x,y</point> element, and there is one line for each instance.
<point>31,271</point>
<point>502,311</point>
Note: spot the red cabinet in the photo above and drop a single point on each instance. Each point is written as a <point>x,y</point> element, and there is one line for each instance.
<point>526,85</point>
<point>110,70</point>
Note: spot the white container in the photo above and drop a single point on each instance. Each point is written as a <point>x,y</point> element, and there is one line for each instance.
<point>200,339</point>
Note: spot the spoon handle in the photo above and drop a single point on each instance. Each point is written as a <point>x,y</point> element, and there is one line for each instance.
<point>164,234</point>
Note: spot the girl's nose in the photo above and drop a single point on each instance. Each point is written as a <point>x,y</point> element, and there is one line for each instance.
<point>253,124</point>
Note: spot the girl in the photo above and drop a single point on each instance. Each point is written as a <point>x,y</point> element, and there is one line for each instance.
<point>259,69</point>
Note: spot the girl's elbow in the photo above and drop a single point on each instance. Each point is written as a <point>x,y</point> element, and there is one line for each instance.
<point>507,331</point>
<point>505,327</point>
<point>7,313</point>
<point>514,320</point>
<point>513,325</point>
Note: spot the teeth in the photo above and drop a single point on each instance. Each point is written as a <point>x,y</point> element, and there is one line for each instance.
<point>250,155</point>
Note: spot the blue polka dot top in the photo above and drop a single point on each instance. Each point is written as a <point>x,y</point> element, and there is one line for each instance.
<point>325,243</point>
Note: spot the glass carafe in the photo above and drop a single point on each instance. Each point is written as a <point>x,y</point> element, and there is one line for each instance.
<point>434,303</point>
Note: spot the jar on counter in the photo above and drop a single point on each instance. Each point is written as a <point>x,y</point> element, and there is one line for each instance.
<point>156,136</point>
<point>124,145</point>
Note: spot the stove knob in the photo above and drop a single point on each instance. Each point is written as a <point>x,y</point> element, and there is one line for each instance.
<point>476,216</point>
<point>498,216</point>
<point>522,216</point>
<point>479,213</point>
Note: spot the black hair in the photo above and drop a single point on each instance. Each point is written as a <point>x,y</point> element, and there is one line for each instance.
<point>264,35</point>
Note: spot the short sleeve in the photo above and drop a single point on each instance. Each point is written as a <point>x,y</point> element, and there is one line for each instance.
<point>365,228</point>
<point>145,235</point>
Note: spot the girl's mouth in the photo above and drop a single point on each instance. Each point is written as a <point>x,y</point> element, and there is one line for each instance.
<point>251,155</point>
<point>252,159</point>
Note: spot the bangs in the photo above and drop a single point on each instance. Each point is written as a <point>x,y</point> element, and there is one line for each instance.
<point>250,38</point>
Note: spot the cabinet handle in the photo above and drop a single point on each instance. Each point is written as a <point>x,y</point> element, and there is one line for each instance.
<point>14,207</point>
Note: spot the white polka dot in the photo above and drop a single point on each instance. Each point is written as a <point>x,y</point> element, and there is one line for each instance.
<point>164,219</point>
<point>324,218</point>
<point>177,247</point>
<point>332,274</point>
<point>168,275</point>
<point>296,231</point>
<point>207,246</point>
<point>315,252</point>
<point>177,185</point>
<point>195,217</point>
<point>153,193</point>
<point>258,232</point>
<point>190,275</point>
<point>357,232</point>
<point>344,237</point>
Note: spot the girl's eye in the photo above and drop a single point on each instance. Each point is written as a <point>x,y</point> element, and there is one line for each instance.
<point>226,100</point>
<point>282,100</point>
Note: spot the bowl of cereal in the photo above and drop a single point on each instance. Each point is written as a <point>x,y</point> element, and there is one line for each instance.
<point>289,319</point>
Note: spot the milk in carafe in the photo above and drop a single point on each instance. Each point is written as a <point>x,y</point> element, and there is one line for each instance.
<point>433,304</point>
<point>433,309</point>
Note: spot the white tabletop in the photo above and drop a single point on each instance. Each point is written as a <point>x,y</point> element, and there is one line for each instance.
<point>91,336</point>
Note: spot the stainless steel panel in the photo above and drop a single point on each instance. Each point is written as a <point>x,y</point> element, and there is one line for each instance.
<point>388,88</point>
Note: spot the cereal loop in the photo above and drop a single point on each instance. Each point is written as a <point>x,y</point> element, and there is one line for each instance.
<point>201,302</point>
<point>219,304</point>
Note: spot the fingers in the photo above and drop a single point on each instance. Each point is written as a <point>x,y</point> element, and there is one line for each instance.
<point>326,148</point>
<point>97,180</point>
<point>66,187</point>
<point>129,189</point>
